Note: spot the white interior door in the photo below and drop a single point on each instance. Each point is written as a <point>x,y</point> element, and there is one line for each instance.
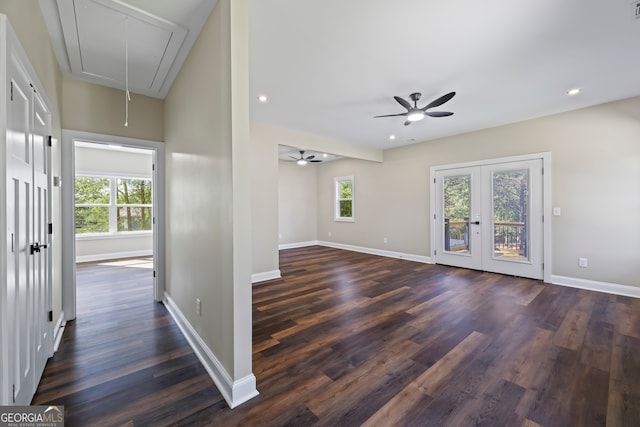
<point>19,196</point>
<point>28,280</point>
<point>43,327</point>
<point>490,217</point>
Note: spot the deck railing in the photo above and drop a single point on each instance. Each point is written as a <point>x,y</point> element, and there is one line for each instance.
<point>508,235</point>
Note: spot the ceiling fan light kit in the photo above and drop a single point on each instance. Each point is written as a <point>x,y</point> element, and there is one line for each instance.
<point>302,160</point>
<point>415,114</point>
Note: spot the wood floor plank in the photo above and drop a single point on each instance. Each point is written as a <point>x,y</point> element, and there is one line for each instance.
<point>345,339</point>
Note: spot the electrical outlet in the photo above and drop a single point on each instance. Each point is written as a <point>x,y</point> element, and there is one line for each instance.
<point>583,262</point>
<point>329,234</point>
<point>198,307</point>
<point>384,240</point>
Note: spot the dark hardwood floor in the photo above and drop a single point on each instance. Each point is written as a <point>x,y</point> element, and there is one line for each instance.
<point>347,339</point>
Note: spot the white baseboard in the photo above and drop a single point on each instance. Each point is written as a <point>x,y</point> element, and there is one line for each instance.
<point>380,252</point>
<point>115,255</point>
<point>298,245</point>
<point>58,331</point>
<point>265,275</point>
<point>592,285</point>
<point>234,392</point>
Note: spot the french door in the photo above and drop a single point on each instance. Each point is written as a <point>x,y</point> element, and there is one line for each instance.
<point>490,217</point>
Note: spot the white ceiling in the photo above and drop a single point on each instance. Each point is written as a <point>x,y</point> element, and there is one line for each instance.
<point>90,38</point>
<point>329,66</point>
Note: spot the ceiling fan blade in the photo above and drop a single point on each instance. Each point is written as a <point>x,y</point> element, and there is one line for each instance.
<point>402,102</point>
<point>310,157</point>
<point>391,115</point>
<point>438,113</point>
<point>407,123</point>
<point>294,158</point>
<point>315,161</point>
<point>439,101</point>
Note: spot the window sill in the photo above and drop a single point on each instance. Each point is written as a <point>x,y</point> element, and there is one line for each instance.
<point>344,219</point>
<point>106,236</point>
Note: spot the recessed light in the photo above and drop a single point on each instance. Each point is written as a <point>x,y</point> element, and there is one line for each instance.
<point>392,137</point>
<point>263,98</point>
<point>574,91</point>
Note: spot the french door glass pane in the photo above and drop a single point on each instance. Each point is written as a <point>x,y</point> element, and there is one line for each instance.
<point>511,214</point>
<point>457,210</point>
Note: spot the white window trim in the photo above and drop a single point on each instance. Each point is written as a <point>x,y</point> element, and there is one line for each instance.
<point>113,208</point>
<point>336,199</point>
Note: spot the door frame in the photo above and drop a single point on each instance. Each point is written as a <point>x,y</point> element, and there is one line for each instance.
<point>546,200</point>
<point>69,138</point>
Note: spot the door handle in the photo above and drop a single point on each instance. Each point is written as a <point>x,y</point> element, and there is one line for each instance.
<point>474,222</point>
<point>35,247</point>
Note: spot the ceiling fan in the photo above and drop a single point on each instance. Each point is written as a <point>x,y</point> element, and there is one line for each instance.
<point>415,114</point>
<point>302,160</point>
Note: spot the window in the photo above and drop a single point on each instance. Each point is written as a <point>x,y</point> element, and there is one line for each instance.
<point>344,199</point>
<point>134,204</point>
<point>113,205</point>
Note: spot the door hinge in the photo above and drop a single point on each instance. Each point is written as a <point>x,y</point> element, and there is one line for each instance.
<point>50,314</point>
<point>434,252</point>
<point>154,273</point>
<point>14,393</point>
<point>11,91</point>
<point>49,141</point>
<point>542,171</point>
<point>154,220</point>
<point>12,250</point>
<point>153,166</point>
<point>434,216</point>
<point>434,180</point>
<point>50,228</point>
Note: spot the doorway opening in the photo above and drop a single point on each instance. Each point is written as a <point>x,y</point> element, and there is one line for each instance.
<point>112,212</point>
<point>113,220</point>
<point>489,216</point>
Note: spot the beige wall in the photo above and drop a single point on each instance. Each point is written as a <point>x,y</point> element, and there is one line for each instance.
<point>207,240</point>
<point>595,177</point>
<point>297,202</point>
<point>264,203</point>
<point>264,160</point>
<point>91,108</point>
<point>26,19</point>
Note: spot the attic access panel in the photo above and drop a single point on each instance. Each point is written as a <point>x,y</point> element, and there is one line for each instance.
<point>94,33</point>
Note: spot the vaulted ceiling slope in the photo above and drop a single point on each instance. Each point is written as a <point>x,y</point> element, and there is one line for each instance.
<point>328,67</point>
<point>94,40</point>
